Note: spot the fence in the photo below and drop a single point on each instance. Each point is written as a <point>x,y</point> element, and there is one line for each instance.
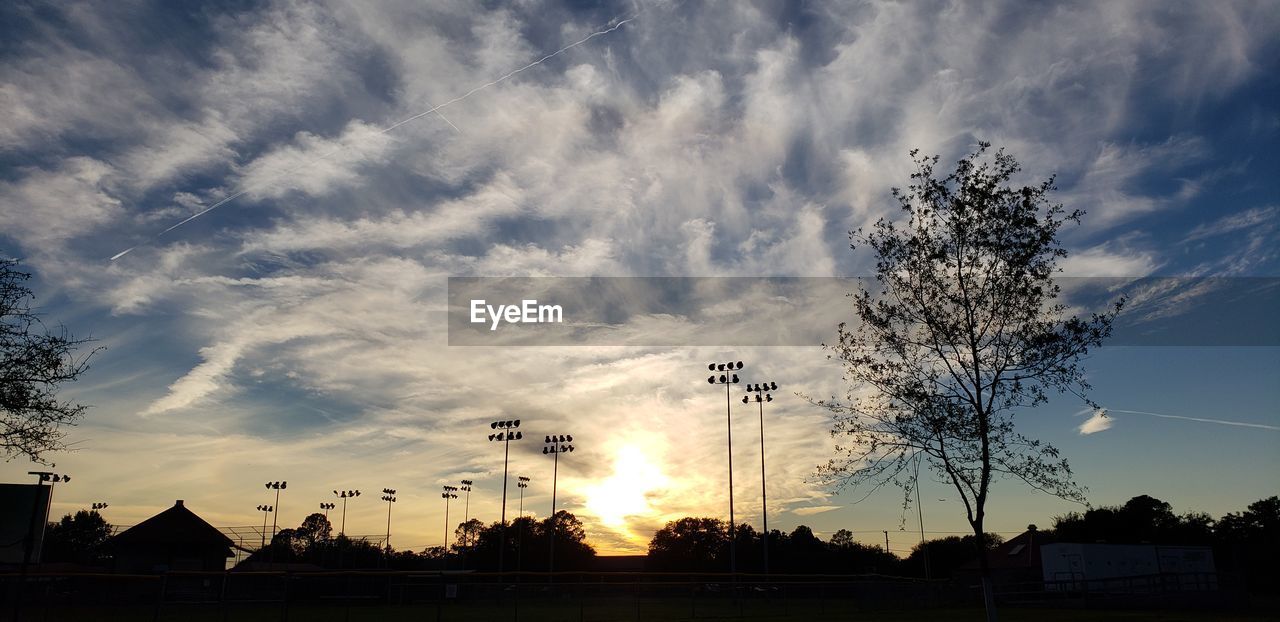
<point>385,595</point>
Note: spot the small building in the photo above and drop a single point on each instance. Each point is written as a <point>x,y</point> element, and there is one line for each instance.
<point>1127,567</point>
<point>175,539</point>
<point>1015,561</point>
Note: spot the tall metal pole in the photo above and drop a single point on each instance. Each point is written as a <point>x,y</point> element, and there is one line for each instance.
<point>761,397</point>
<point>388,495</point>
<point>555,476</point>
<point>466,515</point>
<point>555,445</point>
<point>727,377</point>
<point>505,433</point>
<point>521,483</point>
<point>924,549</point>
<point>275,512</point>
<point>502,549</point>
<point>265,510</point>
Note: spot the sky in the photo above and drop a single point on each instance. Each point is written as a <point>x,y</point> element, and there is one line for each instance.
<point>255,207</point>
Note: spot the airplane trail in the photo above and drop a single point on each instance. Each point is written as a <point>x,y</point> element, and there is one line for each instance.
<point>1242,424</point>
<point>433,110</point>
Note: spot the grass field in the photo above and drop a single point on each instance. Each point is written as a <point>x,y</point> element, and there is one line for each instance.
<point>610,610</point>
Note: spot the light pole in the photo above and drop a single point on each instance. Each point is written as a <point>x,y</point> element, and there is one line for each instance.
<point>506,432</point>
<point>450,492</point>
<point>344,495</point>
<point>326,507</point>
<point>277,486</point>
<point>762,396</point>
<point>29,542</point>
<point>727,378</point>
<point>41,478</point>
<point>522,482</point>
<point>924,549</point>
<point>466,512</point>
<point>265,509</point>
<point>554,447</point>
<point>388,495</point>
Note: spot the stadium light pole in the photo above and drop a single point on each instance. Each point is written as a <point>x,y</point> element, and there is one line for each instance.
<point>277,486</point>
<point>522,482</point>
<point>505,433</point>
<point>762,395</point>
<point>265,509</point>
<point>728,379</point>
<point>275,513</point>
<point>555,445</point>
<point>388,495</point>
<point>345,495</point>
<point>450,492</point>
<point>326,506</point>
<point>41,478</point>
<point>466,511</point>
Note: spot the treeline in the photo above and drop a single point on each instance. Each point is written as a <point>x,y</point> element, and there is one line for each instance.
<point>1245,543</point>
<point>476,546</point>
<point>702,545</point>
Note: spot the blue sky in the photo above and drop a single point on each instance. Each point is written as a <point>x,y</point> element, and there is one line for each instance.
<point>297,331</point>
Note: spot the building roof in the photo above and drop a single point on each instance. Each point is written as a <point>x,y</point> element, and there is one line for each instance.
<point>174,527</point>
<point>1020,551</point>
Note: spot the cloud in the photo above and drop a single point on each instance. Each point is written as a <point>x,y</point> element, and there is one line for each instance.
<point>1248,219</point>
<point>1104,261</point>
<point>816,509</point>
<point>1099,421</point>
<point>730,139</point>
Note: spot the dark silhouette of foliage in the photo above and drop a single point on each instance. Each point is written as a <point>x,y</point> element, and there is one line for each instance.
<point>1142,519</point>
<point>701,545</point>
<point>964,333</point>
<point>34,361</point>
<point>690,544</point>
<point>1249,542</point>
<point>80,538</point>
<point>531,541</point>
<point>946,555</point>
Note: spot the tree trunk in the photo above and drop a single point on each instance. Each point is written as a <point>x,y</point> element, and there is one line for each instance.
<point>988,590</point>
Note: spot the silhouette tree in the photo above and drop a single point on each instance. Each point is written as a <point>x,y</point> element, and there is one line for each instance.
<point>842,539</point>
<point>315,529</point>
<point>946,555</point>
<point>80,538</point>
<point>691,544</point>
<point>466,533</point>
<point>533,536</point>
<point>34,361</point>
<point>963,333</point>
<point>1142,519</point>
<point>1250,540</point>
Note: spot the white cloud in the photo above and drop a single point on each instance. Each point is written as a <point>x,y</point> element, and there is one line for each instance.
<point>1097,422</point>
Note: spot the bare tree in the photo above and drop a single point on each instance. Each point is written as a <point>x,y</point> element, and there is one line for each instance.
<point>34,361</point>
<point>963,333</point>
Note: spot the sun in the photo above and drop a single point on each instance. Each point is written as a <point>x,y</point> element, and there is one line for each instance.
<point>624,493</point>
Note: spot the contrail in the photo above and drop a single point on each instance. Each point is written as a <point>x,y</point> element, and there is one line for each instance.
<point>1242,424</point>
<point>433,109</point>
